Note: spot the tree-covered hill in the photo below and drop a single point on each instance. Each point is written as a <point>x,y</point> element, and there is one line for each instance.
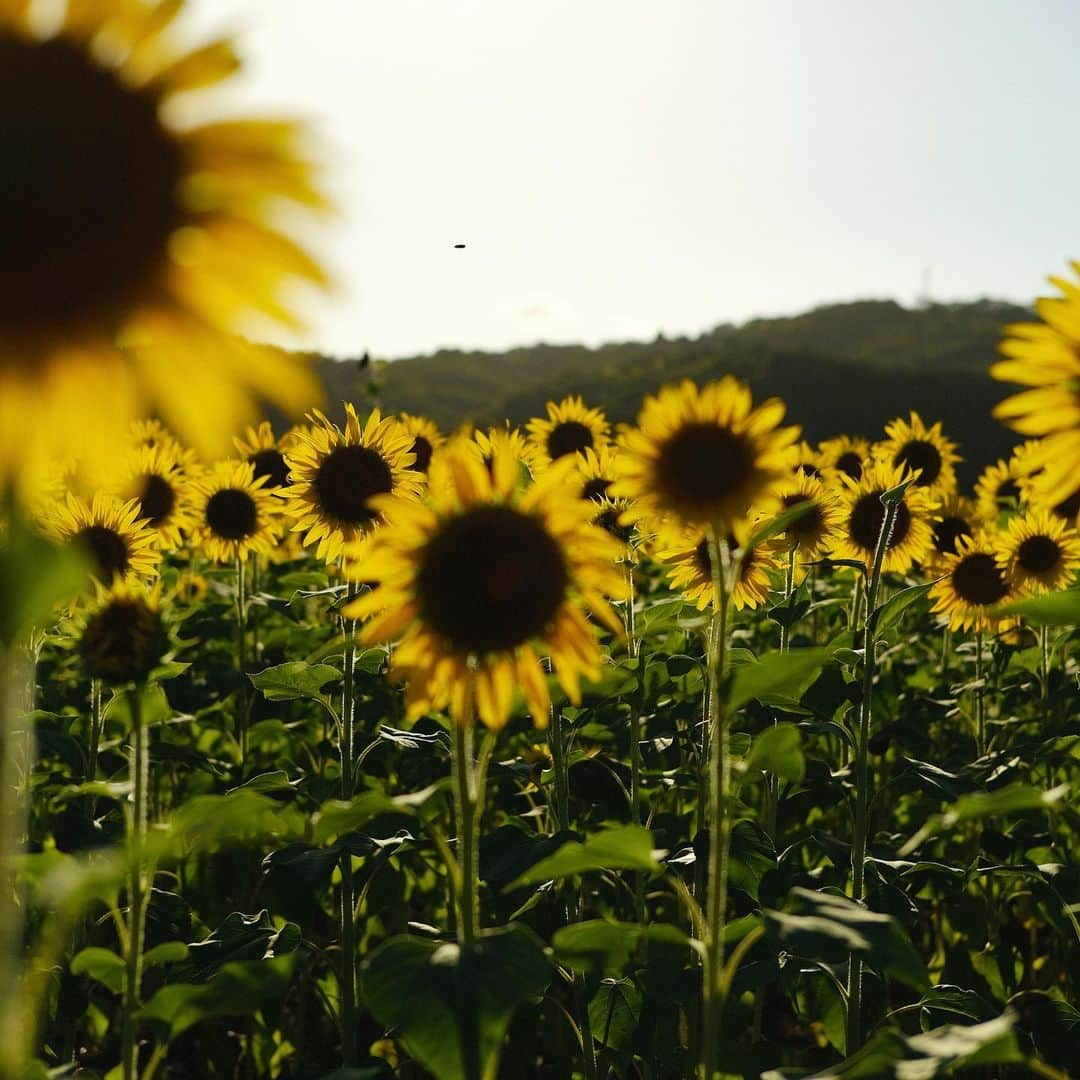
<point>870,359</point>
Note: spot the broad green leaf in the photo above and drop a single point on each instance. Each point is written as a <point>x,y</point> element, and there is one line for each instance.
<point>600,947</point>
<point>626,847</point>
<point>239,938</point>
<point>101,965</point>
<point>788,674</point>
<point>779,523</point>
<point>776,750</point>
<point>295,680</point>
<point>889,613</point>
<point>168,952</point>
<point>1051,609</point>
<point>450,1009</point>
<point>337,816</point>
<point>614,1013</point>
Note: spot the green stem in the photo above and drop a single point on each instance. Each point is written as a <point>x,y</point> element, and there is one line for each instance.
<point>862,772</point>
<point>980,701</point>
<point>946,649</point>
<point>347,729</point>
<point>241,660</point>
<point>137,822</point>
<point>1044,663</point>
<point>719,810</point>
<point>636,705</point>
<point>702,804</point>
<point>465,808</point>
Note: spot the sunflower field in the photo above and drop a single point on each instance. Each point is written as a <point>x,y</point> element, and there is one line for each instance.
<point>679,748</point>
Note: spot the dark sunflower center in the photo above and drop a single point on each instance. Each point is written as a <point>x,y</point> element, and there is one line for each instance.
<point>1037,554</point>
<point>703,557</point>
<point>867,517</point>
<point>947,532</point>
<point>808,469</point>
<point>271,464</point>
<point>87,188</point>
<point>977,580</point>
<point>568,437</point>
<point>609,522</point>
<point>232,514</point>
<point>850,464</point>
<point>123,641</point>
<point>1008,493</point>
<point>920,454</point>
<point>1069,507</point>
<point>107,548</point>
<point>595,489</point>
<point>491,579</point>
<point>810,524</point>
<point>347,478</point>
<point>157,499</point>
<point>703,463</point>
<point>422,448</point>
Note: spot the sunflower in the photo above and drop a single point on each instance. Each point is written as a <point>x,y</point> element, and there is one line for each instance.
<point>597,471</point>
<point>484,579</point>
<point>235,514</point>
<point>807,460</point>
<point>843,456</point>
<point>163,491</point>
<point>864,514</point>
<point>490,442</point>
<point>689,566</point>
<point>571,427</point>
<point>260,447</point>
<point>119,544</point>
<point>338,472</point>
<point>973,584</point>
<point>812,532</point>
<point>1046,356</point>
<point>999,489</point>
<point>922,450</point>
<point>426,438</point>
<point>123,638</point>
<point>954,519</point>
<point>1038,551</point>
<point>702,456</point>
<point>136,249</point>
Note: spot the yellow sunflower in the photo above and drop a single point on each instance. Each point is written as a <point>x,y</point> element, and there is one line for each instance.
<point>235,514</point>
<point>164,493</point>
<point>864,514</point>
<point>689,567</point>
<point>571,427</point>
<point>426,438</point>
<point>953,519</point>
<point>136,249</point>
<point>808,460</point>
<point>120,545</point>
<point>490,442</point>
<point>597,471</point>
<point>1038,551</point>
<point>844,455</point>
<point>924,451</point>
<point>337,473</point>
<point>482,581</point>
<point>122,639</point>
<point>261,448</point>
<point>999,488</point>
<point>813,532</point>
<point>1046,356</point>
<point>704,455</point>
<point>973,584</point>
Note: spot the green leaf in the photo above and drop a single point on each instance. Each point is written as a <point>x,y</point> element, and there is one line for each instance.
<point>779,524</point>
<point>600,947</point>
<point>451,1009</point>
<point>828,927</point>
<point>337,816</point>
<point>626,847</point>
<point>168,952</point>
<point>776,750</point>
<point>239,938</point>
<point>236,990</point>
<point>788,674</point>
<point>614,1013</point>
<point>295,680</point>
<point>1050,609</point>
<point>101,965</point>
<point>889,613</point>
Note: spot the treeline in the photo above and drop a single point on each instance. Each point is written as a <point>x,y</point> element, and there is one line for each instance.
<point>841,368</point>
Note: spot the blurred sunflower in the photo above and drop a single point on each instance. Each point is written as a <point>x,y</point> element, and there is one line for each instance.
<point>973,584</point>
<point>844,455</point>
<point>1039,551</point>
<point>689,566</point>
<point>703,455</point>
<point>122,639</point>
<point>135,249</point>
<point>482,581</point>
<point>998,490</point>
<point>807,460</point>
<point>911,445</point>
<point>337,473</point>
<point>597,471</point>
<point>426,438</point>
<point>864,515</point>
<point>812,532</point>
<point>260,447</point>
<point>164,493</point>
<point>571,427</point>
<point>490,442</point>
<point>1046,356</point>
<point>120,545</point>
<point>235,514</point>
<point>954,519</point>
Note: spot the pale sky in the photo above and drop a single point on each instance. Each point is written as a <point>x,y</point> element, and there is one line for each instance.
<point>618,168</point>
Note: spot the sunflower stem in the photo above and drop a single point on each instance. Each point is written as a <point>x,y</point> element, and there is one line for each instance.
<point>702,806</point>
<point>137,827</point>
<point>980,702</point>
<point>1044,663</point>
<point>636,704</point>
<point>349,1051</point>
<point>719,810</point>
<point>241,660</point>
<point>96,724</point>
<point>862,770</point>
<point>465,807</point>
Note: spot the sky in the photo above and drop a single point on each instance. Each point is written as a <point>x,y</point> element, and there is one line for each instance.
<point>623,168</point>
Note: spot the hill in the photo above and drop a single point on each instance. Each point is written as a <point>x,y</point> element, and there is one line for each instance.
<point>841,368</point>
